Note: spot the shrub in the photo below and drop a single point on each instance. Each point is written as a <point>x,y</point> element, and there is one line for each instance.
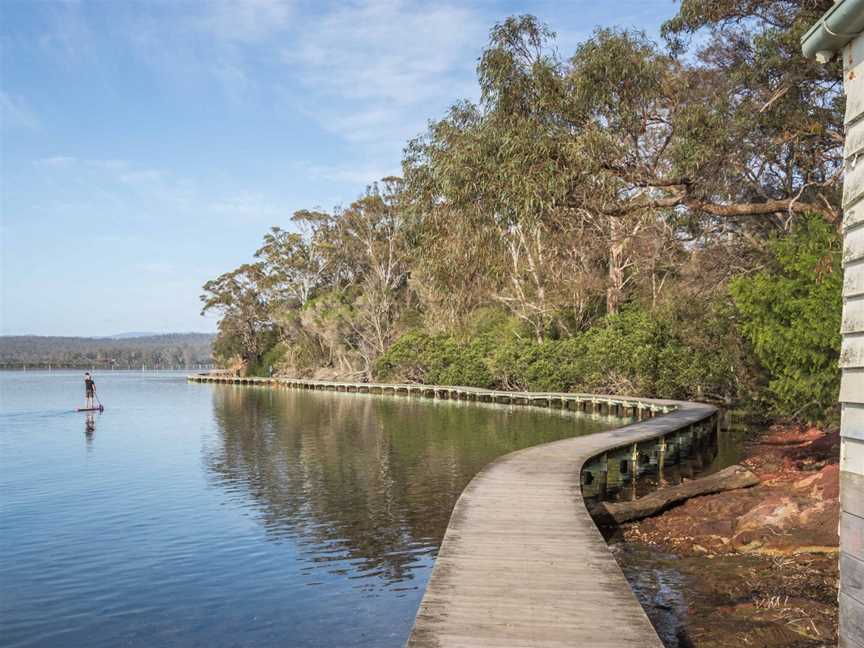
<point>435,359</point>
<point>791,314</point>
<point>552,365</point>
<point>273,357</point>
<point>680,352</point>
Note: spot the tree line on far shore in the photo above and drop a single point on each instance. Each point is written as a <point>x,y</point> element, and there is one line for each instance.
<point>637,217</point>
<point>171,351</point>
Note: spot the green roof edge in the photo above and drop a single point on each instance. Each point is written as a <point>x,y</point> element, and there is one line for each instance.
<point>840,24</point>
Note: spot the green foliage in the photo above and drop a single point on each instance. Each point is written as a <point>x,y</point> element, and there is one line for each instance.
<point>791,314</point>
<point>270,360</point>
<point>436,359</point>
<point>634,352</point>
<point>246,328</point>
<point>553,365</point>
<point>624,353</point>
<point>228,344</point>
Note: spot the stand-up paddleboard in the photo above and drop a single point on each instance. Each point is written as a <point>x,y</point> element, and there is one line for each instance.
<point>101,408</point>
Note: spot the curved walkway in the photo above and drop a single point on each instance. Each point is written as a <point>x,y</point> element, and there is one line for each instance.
<point>522,563</point>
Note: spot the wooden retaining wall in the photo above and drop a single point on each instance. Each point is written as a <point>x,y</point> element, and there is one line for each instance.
<point>522,563</point>
<point>639,408</point>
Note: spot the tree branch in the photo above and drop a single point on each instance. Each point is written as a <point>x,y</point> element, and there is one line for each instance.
<point>727,210</point>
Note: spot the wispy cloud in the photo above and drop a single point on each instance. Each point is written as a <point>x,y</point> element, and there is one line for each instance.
<point>158,268</point>
<point>56,162</point>
<point>355,176</point>
<point>246,20</point>
<point>109,183</point>
<point>248,206</point>
<point>68,34</point>
<point>15,113</point>
<point>121,171</point>
<point>385,62</point>
<point>222,40</point>
<point>369,71</point>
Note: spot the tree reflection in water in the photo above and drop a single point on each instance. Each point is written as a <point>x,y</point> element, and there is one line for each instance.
<point>364,484</point>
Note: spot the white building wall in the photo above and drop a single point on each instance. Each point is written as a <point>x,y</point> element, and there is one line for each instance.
<point>852,358</point>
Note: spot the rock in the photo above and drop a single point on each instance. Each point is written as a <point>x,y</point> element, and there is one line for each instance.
<point>795,509</point>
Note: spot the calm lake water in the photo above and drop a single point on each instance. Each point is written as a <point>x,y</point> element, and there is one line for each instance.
<point>208,515</point>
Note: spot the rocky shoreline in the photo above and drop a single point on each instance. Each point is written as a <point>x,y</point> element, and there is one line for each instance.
<point>749,567</point>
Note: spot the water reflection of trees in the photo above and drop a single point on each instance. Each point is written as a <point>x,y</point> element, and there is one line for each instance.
<point>365,479</point>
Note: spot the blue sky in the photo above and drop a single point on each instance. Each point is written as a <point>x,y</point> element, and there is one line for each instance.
<point>146,147</point>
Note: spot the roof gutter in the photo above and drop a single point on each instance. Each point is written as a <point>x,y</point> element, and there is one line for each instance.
<point>840,24</point>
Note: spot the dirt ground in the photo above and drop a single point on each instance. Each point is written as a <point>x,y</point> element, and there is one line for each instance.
<point>753,567</point>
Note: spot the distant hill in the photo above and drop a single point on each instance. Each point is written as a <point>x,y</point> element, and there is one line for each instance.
<point>133,334</point>
<point>131,351</point>
<point>144,334</point>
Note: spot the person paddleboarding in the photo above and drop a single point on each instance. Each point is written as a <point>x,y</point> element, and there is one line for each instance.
<point>89,391</point>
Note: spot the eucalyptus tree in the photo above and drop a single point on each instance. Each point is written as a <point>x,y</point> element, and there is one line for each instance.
<point>296,267</point>
<point>457,265</point>
<point>501,170</point>
<point>293,266</point>
<point>749,128</point>
<point>712,152</point>
<point>548,166</point>
<point>776,117</point>
<point>246,326</point>
<point>622,99</point>
<point>372,239</point>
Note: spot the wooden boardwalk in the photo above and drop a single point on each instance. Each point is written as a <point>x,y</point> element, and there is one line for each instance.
<point>522,563</point>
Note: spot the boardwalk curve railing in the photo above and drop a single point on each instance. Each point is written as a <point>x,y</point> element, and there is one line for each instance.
<point>522,563</point>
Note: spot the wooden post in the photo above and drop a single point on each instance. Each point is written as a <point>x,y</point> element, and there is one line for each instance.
<point>661,460</point>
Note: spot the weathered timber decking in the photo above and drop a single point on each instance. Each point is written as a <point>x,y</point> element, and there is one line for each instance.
<point>522,563</point>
